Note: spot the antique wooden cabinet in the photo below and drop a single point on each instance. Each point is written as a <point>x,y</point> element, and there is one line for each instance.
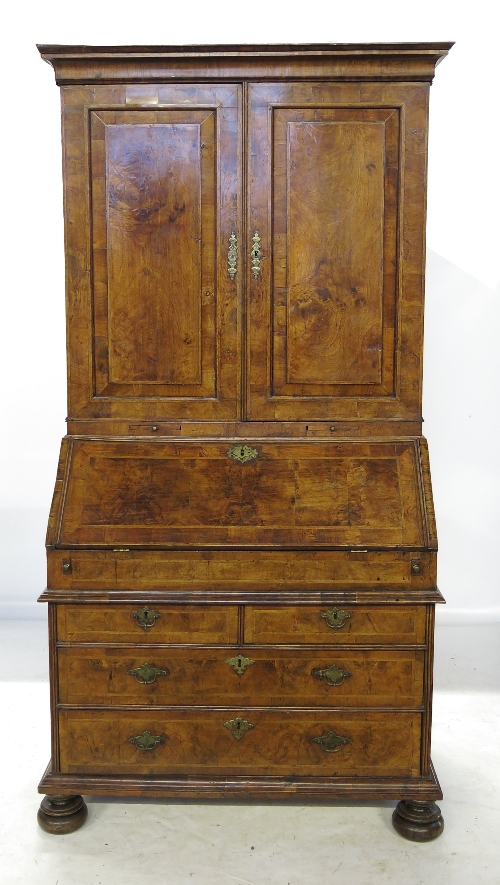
<point>241,544</point>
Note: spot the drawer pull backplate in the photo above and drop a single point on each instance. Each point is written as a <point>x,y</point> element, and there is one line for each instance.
<point>332,675</point>
<point>147,673</point>
<point>147,741</point>
<point>331,742</point>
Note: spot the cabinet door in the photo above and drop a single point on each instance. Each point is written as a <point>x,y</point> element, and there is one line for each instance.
<point>336,305</point>
<point>161,174</point>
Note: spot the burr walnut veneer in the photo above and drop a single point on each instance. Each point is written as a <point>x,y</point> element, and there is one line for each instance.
<point>241,545</point>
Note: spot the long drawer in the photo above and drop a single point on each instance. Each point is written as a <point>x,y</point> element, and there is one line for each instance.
<point>207,624</point>
<point>250,676</point>
<point>240,742</point>
<point>355,624</point>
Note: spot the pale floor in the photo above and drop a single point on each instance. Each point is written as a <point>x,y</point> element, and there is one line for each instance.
<point>154,843</point>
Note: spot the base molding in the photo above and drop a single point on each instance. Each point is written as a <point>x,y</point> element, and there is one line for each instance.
<point>197,787</point>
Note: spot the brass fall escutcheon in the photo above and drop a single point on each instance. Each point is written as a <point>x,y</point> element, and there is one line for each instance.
<point>335,618</point>
<point>145,617</point>
<point>333,675</point>
<point>238,727</point>
<point>147,673</point>
<point>331,742</point>
<point>147,741</point>
<point>243,453</point>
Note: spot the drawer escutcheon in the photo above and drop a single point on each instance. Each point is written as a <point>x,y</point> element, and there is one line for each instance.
<point>239,663</point>
<point>238,727</point>
<point>145,617</point>
<point>335,618</point>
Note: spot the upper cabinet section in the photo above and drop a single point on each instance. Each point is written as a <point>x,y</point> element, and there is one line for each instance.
<point>245,231</point>
<point>337,183</point>
<point>152,198</point>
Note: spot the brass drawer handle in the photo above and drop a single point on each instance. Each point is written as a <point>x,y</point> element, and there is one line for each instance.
<point>335,618</point>
<point>239,663</point>
<point>147,673</point>
<point>232,256</point>
<point>238,727</point>
<point>243,453</point>
<point>256,255</point>
<point>333,675</point>
<point>147,741</point>
<point>331,742</point>
<point>145,617</point>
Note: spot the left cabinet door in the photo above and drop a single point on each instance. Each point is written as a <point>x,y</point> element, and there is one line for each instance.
<point>152,185</point>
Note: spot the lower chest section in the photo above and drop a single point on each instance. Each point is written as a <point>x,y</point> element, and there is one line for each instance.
<point>240,690</point>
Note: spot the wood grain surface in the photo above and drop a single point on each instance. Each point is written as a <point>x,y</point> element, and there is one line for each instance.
<point>276,677</point>
<point>281,742</point>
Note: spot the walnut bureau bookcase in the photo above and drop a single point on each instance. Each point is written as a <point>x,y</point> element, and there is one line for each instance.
<point>241,544</point>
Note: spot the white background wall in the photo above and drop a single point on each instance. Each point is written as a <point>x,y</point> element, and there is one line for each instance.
<point>462,368</point>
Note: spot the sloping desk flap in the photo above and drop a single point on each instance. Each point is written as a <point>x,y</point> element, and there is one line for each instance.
<point>194,494</point>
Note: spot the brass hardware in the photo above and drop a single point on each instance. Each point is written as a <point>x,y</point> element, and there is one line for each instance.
<point>239,663</point>
<point>331,742</point>
<point>238,727</point>
<point>416,567</point>
<point>66,566</point>
<point>147,673</point>
<point>243,453</point>
<point>121,549</point>
<point>147,741</point>
<point>154,427</point>
<point>232,256</point>
<point>145,617</point>
<point>333,675</point>
<point>335,618</point>
<point>256,255</point>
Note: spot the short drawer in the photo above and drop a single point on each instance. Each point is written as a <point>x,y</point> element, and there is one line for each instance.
<point>349,625</point>
<point>240,742</point>
<point>153,623</point>
<point>249,676</point>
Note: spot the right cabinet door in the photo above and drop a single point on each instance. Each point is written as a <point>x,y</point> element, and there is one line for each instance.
<point>335,312</point>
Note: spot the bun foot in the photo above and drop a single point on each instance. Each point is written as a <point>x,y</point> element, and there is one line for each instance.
<point>418,821</point>
<point>62,814</point>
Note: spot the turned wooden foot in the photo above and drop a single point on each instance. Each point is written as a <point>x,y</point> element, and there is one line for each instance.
<point>417,820</point>
<point>62,814</point>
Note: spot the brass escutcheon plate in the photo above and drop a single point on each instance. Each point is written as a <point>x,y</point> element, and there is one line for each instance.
<point>145,617</point>
<point>243,453</point>
<point>335,618</point>
<point>239,663</point>
<point>238,727</point>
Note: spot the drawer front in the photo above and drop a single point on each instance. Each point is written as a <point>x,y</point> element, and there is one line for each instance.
<point>349,625</point>
<point>209,624</point>
<point>249,676</point>
<point>281,742</point>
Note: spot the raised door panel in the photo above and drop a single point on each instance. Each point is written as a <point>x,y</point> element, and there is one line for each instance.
<point>163,186</point>
<point>334,332</point>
